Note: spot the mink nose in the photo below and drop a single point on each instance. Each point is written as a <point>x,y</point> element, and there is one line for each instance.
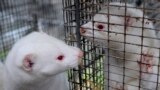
<point>80,54</point>
<point>82,30</point>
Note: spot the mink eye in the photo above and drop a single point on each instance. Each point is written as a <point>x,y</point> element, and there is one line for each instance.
<point>60,57</point>
<point>100,26</point>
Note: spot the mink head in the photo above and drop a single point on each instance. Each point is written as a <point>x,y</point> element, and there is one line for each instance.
<point>40,55</point>
<point>113,26</point>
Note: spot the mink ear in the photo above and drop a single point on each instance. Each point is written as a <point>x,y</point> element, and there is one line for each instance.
<point>28,62</point>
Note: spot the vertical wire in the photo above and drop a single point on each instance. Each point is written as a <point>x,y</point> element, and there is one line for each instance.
<point>78,36</point>
<point>103,70</point>
<point>108,49</point>
<point>124,55</point>
<point>93,22</point>
<point>85,46</point>
<point>140,80</point>
<point>35,18</point>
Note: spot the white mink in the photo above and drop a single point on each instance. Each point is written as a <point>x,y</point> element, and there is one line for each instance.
<point>125,34</point>
<point>38,62</point>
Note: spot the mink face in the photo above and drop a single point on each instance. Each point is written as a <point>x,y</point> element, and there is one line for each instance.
<point>100,30</point>
<point>114,29</point>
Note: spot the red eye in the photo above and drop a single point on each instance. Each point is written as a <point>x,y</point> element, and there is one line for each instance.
<point>100,26</point>
<point>60,57</point>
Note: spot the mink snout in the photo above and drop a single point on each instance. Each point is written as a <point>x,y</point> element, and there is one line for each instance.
<point>82,30</point>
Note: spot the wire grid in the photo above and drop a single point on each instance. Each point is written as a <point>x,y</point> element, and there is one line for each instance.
<point>92,76</point>
<point>13,26</point>
<point>89,75</point>
<point>20,17</point>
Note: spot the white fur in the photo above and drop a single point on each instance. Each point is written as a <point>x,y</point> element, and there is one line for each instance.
<point>47,73</point>
<point>134,38</point>
<point>1,76</point>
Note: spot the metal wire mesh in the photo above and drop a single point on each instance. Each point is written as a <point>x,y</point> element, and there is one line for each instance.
<point>20,17</point>
<point>106,67</point>
<point>12,23</point>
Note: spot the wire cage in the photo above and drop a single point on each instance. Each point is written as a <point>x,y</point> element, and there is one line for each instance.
<point>88,75</point>
<point>114,57</point>
<point>117,59</point>
<point>13,24</point>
